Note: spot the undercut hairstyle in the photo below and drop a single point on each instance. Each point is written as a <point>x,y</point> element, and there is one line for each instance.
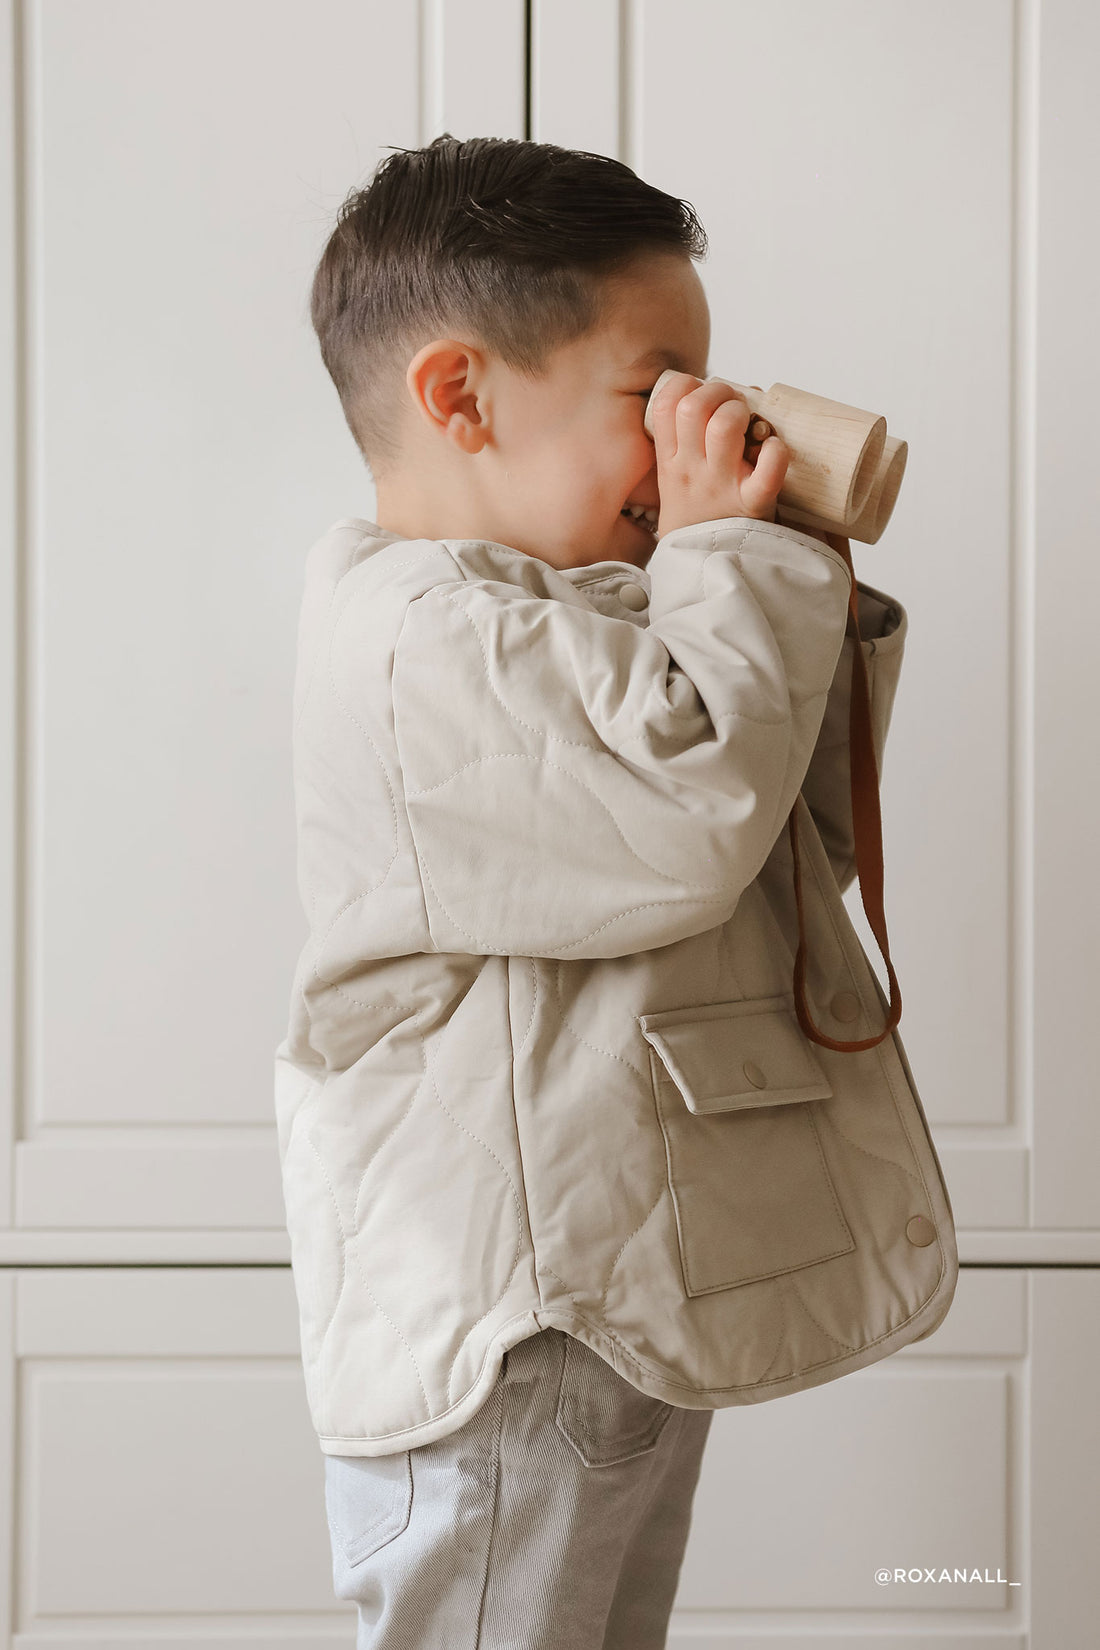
<point>509,242</point>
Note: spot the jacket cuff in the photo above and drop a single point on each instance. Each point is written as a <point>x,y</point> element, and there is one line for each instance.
<point>702,535</point>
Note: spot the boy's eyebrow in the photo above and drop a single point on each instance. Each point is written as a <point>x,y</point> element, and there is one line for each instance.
<point>659,358</point>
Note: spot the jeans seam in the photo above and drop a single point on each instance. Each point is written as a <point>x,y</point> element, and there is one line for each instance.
<point>496,1504</point>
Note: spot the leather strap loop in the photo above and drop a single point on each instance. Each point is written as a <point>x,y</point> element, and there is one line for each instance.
<point>866,830</point>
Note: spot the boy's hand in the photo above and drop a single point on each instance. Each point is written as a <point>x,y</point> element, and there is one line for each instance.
<point>702,471</point>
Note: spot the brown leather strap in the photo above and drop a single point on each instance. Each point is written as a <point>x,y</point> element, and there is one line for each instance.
<point>866,830</point>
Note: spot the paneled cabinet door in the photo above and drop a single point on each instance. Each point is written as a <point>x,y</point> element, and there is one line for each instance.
<point>160,1481</point>
<point>946,1497</point>
<point>895,222</point>
<point>174,176</point>
<point>162,1485</point>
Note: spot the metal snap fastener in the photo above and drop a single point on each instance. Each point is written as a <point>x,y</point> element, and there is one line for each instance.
<point>920,1231</point>
<point>755,1075</point>
<point>633,596</point>
<point>845,1006</point>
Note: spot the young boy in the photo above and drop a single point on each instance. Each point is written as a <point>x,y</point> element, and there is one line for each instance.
<point>548,1203</point>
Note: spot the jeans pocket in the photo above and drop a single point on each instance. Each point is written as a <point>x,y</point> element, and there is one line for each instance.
<point>604,1418</point>
<point>368,1499</point>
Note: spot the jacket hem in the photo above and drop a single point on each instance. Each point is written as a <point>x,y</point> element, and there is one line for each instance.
<point>931,1312</point>
<point>645,1377</point>
<point>512,1331</point>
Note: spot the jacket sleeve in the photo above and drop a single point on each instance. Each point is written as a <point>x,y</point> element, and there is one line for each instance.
<point>581,786</point>
<point>826,788</point>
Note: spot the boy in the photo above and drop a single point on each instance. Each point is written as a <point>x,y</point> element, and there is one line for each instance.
<point>552,713</point>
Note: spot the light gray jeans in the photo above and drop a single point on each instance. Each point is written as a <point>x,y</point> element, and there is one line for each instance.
<point>556,1518</point>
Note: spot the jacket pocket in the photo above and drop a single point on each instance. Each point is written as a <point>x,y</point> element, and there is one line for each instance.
<point>735,1086</point>
<point>368,1499</point>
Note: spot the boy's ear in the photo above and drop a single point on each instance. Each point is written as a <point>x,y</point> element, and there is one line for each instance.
<point>444,378</point>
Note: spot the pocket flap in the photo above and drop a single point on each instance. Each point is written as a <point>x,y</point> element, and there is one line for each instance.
<point>723,1056</point>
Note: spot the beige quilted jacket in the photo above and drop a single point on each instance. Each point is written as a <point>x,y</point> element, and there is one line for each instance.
<point>543,1065</point>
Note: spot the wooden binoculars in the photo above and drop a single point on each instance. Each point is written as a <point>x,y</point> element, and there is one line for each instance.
<point>844,471</point>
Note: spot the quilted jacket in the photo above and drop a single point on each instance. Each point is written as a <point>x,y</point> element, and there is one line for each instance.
<point>543,1065</point>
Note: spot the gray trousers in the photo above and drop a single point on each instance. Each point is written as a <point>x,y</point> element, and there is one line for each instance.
<point>556,1518</point>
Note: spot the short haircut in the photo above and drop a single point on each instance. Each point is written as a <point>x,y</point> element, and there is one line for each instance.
<point>506,239</point>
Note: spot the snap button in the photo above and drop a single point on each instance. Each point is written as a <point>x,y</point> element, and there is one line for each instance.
<point>845,1006</point>
<point>920,1231</point>
<point>755,1075</point>
<point>633,596</point>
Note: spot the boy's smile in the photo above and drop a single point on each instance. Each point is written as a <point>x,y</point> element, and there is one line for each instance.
<point>550,466</point>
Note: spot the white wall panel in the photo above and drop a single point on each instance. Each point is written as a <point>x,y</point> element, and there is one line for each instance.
<point>168,1487</point>
<point>10,446</point>
<point>176,172</point>
<point>870,211</point>
<point>1065,1475</point>
<point>1067,600</point>
<point>474,58</point>
<point>576,79</point>
<point>909,1464</point>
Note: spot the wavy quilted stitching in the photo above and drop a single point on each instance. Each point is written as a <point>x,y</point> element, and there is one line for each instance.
<point>383,1313</point>
<point>877,1156</point>
<point>343,1263</point>
<point>582,1042</point>
<point>541,1267</point>
<point>487,949</point>
<point>525,756</point>
<point>518,1250</point>
<point>355,900</point>
<point>470,1135</point>
<point>658,1200</point>
<point>397,1124</point>
<point>345,1235</point>
<point>359,1272</point>
<point>608,1054</point>
<point>802,1303</point>
<point>543,733</point>
<point>357,1002</point>
<point>778,1299</point>
<point>580,744</point>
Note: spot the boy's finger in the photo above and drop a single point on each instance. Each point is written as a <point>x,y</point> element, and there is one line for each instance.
<point>663,397</point>
<point>731,413</point>
<point>711,415</point>
<point>767,476</point>
<point>660,413</point>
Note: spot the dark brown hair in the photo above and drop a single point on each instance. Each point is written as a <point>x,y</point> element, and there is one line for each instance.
<point>505,238</point>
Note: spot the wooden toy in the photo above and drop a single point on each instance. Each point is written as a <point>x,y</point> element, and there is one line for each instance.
<point>845,471</point>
